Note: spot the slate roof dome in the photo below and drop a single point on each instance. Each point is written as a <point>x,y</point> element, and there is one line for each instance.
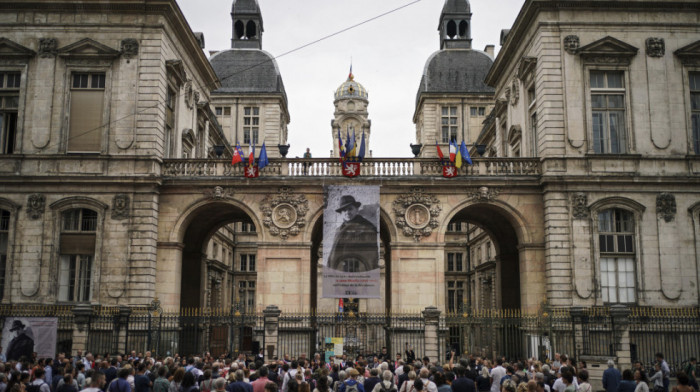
<point>459,71</point>
<point>247,71</point>
<point>245,7</point>
<point>351,89</point>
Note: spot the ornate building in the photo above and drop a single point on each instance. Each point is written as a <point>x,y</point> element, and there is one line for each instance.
<point>350,116</point>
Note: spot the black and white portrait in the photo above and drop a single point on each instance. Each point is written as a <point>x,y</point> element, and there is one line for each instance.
<point>23,336</point>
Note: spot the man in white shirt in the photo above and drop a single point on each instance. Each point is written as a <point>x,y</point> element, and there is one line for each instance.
<point>98,381</point>
<point>496,374</point>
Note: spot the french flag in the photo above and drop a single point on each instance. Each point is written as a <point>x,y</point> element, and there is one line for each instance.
<point>340,305</point>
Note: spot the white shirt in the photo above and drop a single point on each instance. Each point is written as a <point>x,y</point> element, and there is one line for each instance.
<point>430,385</point>
<point>497,374</point>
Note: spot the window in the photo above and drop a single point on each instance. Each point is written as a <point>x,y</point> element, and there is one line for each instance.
<point>247,227</point>
<point>477,111</point>
<point>188,144</point>
<point>488,251</point>
<point>482,111</point>
<point>77,250</point>
<point>472,111</point>
<point>215,251</point>
<point>169,119</point>
<point>608,112</point>
<point>251,123</point>
<point>449,123</point>
<point>532,110</point>
<point>454,262</point>
<point>454,226</point>
<point>694,78</point>
<point>4,238</point>
<point>455,295</point>
<point>246,291</point>
<point>219,110</point>
<point>617,257</point>
<point>86,106</point>
<point>9,102</point>
<point>247,263</point>
<point>227,111</point>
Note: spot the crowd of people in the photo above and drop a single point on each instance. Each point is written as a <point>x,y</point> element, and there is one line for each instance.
<point>376,373</point>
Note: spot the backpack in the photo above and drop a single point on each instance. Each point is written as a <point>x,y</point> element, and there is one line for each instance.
<point>351,388</point>
<point>383,389</point>
<point>35,387</point>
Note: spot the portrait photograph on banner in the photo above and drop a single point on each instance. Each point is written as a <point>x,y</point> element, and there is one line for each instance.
<point>351,242</point>
<point>22,336</point>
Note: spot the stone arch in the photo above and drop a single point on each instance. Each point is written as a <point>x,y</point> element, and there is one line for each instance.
<point>451,29</point>
<point>251,30</point>
<point>314,234</point>
<point>513,216</point>
<point>177,232</point>
<point>463,28</point>
<point>238,30</point>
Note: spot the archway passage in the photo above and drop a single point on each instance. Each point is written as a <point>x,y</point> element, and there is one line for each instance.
<point>315,257</point>
<point>498,284</point>
<point>203,223</point>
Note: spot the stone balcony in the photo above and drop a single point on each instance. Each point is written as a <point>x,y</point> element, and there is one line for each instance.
<point>371,167</point>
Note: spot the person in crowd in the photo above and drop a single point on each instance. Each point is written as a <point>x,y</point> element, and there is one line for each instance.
<point>462,383</point>
<point>189,384</point>
<point>39,381</point>
<point>97,382</point>
<point>441,383</point>
<point>141,381</point>
<point>583,385</point>
<point>161,384</point>
<point>683,383</point>
<point>387,383</point>
<point>497,374</point>
<point>120,384</point>
<point>176,381</point>
<point>691,370</point>
<point>352,384</point>
<point>373,378</point>
<point>627,383</point>
<point>611,377</point>
<point>640,379</point>
<point>239,385</point>
<point>665,369</point>
<point>69,384</point>
<point>568,378</point>
<point>658,378</point>
<point>483,380</point>
<point>220,385</point>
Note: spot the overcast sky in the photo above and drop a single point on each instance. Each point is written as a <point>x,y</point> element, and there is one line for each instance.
<point>388,57</point>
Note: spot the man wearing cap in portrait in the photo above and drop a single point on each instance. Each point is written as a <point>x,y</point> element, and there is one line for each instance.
<point>355,247</point>
<point>21,344</point>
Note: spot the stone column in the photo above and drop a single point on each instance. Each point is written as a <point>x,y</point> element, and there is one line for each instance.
<point>621,330</point>
<point>81,319</point>
<point>272,321</point>
<point>578,317</point>
<point>121,329</point>
<point>431,314</point>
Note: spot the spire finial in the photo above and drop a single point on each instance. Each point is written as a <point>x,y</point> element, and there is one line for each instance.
<point>351,76</point>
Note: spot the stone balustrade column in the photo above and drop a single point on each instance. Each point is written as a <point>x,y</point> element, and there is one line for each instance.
<point>621,334</point>
<point>271,316</point>
<point>431,314</point>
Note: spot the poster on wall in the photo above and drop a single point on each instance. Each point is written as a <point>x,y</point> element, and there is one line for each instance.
<point>23,336</point>
<point>351,242</point>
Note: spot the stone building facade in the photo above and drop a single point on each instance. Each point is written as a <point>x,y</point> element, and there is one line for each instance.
<point>578,205</point>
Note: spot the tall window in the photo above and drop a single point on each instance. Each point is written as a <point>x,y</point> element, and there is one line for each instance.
<point>532,111</point>
<point>4,238</point>
<point>608,110</point>
<point>617,257</point>
<point>454,262</point>
<point>246,290</point>
<point>86,106</point>
<point>455,294</point>
<point>695,109</point>
<point>170,99</point>
<point>77,250</point>
<point>251,124</point>
<point>247,263</point>
<point>449,123</point>
<point>9,102</point>
<point>188,144</point>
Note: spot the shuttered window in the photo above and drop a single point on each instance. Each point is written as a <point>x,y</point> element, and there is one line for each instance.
<point>77,248</point>
<point>86,107</point>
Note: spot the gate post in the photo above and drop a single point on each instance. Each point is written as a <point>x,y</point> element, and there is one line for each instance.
<point>621,335</point>
<point>81,320</point>
<point>431,314</point>
<point>271,316</point>
<point>577,319</point>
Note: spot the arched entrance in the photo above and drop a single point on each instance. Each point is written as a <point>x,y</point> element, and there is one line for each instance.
<point>316,264</point>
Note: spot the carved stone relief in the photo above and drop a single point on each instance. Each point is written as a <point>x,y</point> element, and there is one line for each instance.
<point>666,206</point>
<point>514,92</point>
<point>189,94</point>
<point>579,205</point>
<point>571,44</point>
<point>656,47</point>
<point>416,213</point>
<point>35,206</point>
<point>284,214</point>
<point>120,206</point>
<point>130,48</point>
<point>484,194</point>
<point>218,193</point>
<point>47,47</point>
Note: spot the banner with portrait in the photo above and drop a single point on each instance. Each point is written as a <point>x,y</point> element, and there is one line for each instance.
<point>23,336</point>
<point>351,242</point>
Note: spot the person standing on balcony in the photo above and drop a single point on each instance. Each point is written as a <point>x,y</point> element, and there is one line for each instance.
<point>307,155</point>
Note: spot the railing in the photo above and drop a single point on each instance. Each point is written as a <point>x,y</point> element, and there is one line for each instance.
<point>370,167</point>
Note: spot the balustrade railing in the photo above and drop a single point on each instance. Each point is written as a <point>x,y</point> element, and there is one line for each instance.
<point>371,167</point>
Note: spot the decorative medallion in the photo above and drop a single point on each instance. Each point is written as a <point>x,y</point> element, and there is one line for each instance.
<point>571,44</point>
<point>218,193</point>
<point>130,48</point>
<point>416,213</point>
<point>120,206</point>
<point>579,205</point>
<point>35,206</point>
<point>666,206</point>
<point>656,47</point>
<point>514,92</point>
<point>189,94</point>
<point>47,47</point>
<point>196,97</point>
<point>485,194</point>
<point>284,214</point>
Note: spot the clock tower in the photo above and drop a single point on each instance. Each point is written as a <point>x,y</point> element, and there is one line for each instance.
<point>350,115</point>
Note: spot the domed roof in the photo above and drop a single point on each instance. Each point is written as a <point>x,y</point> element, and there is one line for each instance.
<point>351,89</point>
<point>245,7</point>
<point>247,71</point>
<point>456,7</point>
<point>460,71</point>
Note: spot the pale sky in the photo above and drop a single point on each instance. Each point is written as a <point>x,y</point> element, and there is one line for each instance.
<point>388,57</point>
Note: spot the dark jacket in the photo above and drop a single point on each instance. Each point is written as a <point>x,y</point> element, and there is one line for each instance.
<point>239,386</point>
<point>463,384</point>
<point>611,379</point>
<point>370,382</point>
<point>626,386</point>
<point>21,346</point>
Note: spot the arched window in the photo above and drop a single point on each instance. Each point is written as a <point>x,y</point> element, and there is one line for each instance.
<point>251,30</point>
<point>77,253</point>
<point>617,256</point>
<point>4,239</point>
<point>451,29</point>
<point>463,29</point>
<point>238,30</point>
